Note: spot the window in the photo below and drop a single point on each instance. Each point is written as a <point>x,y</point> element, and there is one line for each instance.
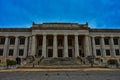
<point>115,41</point>
<point>70,42</point>
<point>97,41</point>
<point>60,42</point>
<point>107,52</point>
<point>10,52</point>
<point>12,40</point>
<point>1,52</point>
<point>22,40</point>
<point>106,41</point>
<point>50,52</point>
<point>50,42</point>
<point>117,52</point>
<point>98,52</point>
<point>21,51</point>
<point>2,40</point>
<point>70,53</point>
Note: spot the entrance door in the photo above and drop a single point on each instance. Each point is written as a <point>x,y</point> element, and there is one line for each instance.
<point>70,53</point>
<point>81,53</point>
<point>60,53</point>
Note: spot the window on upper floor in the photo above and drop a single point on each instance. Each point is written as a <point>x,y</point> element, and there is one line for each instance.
<point>117,52</point>
<point>22,40</point>
<point>12,41</point>
<point>60,42</point>
<point>10,52</point>
<point>97,41</point>
<point>115,41</point>
<point>98,52</point>
<point>80,42</point>
<point>107,52</point>
<point>70,42</point>
<point>106,40</point>
<point>2,40</point>
<point>1,52</point>
<point>50,42</point>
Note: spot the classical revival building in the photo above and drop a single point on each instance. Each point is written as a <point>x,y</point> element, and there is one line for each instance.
<point>59,40</point>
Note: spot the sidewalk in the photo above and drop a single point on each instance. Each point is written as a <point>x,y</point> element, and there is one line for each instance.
<point>59,70</point>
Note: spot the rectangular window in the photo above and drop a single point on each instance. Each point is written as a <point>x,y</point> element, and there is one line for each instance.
<point>106,40</point>
<point>70,41</point>
<point>50,42</point>
<point>115,41</point>
<point>1,52</point>
<point>10,52</point>
<point>22,41</point>
<point>60,42</point>
<point>2,40</point>
<point>21,51</point>
<point>12,41</point>
<point>107,52</point>
<point>117,52</point>
<point>97,41</point>
<point>98,52</point>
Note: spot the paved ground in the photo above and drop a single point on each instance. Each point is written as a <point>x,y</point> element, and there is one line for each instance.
<point>102,75</point>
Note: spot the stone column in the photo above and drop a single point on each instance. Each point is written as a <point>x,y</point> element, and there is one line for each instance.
<point>112,47</point>
<point>26,47</point>
<point>29,49</point>
<point>65,46</point>
<point>16,47</point>
<point>93,46</point>
<point>103,46</point>
<point>76,46</point>
<point>5,51</point>
<point>33,50</point>
<point>87,46</point>
<point>44,46</point>
<point>55,46</point>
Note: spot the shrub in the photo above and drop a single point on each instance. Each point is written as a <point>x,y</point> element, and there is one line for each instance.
<point>112,62</point>
<point>11,62</point>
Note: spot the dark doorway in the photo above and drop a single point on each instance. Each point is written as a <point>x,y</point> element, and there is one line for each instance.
<point>81,53</point>
<point>70,53</point>
<point>50,52</point>
<point>60,53</point>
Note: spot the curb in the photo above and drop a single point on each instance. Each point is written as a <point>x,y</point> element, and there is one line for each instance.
<point>58,70</point>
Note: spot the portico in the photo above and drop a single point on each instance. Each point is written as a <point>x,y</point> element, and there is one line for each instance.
<point>55,45</point>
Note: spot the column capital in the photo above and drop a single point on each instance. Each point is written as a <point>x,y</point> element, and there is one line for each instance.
<point>54,34</point>
<point>111,36</point>
<point>65,34</point>
<point>44,34</point>
<point>87,35</point>
<point>102,36</point>
<point>16,36</point>
<point>6,36</point>
<point>76,34</point>
<point>93,36</point>
<point>26,36</point>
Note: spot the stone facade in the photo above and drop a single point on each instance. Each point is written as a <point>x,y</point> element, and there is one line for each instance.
<point>59,40</point>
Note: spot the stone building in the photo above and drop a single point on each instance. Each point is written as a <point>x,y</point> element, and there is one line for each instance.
<point>60,40</point>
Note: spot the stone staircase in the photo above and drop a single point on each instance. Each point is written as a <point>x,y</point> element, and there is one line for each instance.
<point>58,61</point>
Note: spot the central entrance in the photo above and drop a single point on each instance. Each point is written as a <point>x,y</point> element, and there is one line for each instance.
<point>60,52</point>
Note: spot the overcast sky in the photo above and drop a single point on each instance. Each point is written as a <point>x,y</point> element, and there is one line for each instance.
<point>98,13</point>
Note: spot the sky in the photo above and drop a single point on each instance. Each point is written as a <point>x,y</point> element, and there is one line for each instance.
<point>98,13</point>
